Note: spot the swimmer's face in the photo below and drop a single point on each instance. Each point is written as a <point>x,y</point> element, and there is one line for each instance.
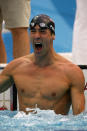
<point>41,39</point>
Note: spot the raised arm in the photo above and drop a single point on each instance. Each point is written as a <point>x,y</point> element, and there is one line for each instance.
<point>5,82</point>
<point>77,92</point>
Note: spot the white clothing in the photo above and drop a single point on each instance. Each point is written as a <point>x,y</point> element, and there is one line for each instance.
<point>79,49</point>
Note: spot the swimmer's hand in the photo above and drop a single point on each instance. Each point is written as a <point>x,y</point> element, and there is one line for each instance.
<point>5,82</point>
<point>29,110</point>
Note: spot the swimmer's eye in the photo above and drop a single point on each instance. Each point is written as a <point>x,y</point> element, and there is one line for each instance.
<point>43,30</point>
<point>33,30</point>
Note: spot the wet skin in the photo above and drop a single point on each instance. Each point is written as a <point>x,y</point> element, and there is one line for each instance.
<point>45,78</point>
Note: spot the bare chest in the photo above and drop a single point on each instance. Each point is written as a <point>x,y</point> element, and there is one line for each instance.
<point>48,83</point>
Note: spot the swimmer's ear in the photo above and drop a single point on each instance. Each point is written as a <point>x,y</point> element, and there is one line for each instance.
<point>53,36</point>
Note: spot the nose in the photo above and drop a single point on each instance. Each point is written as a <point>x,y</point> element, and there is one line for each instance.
<point>37,34</point>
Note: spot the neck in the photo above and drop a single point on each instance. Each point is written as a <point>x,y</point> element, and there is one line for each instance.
<point>46,59</point>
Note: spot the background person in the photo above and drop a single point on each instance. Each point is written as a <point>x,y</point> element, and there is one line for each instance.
<point>79,46</point>
<point>16,14</point>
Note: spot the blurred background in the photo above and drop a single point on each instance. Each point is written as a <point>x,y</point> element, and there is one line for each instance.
<point>63,14</point>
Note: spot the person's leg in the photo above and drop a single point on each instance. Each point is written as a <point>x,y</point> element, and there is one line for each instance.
<point>21,45</point>
<point>3,57</point>
<point>17,20</point>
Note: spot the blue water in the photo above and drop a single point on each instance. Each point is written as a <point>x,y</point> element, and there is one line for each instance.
<point>44,120</point>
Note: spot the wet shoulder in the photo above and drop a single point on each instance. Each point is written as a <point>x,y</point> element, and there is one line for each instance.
<point>15,64</point>
<point>71,70</point>
<point>74,73</point>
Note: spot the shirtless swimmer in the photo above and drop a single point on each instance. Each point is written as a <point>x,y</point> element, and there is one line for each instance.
<point>44,77</point>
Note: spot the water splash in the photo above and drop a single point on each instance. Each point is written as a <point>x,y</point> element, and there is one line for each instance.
<point>43,120</point>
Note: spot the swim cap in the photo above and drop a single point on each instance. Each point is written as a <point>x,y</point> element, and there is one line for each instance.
<point>44,22</point>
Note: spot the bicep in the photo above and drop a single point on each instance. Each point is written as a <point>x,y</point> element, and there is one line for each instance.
<point>78,99</point>
<point>5,82</point>
<point>77,90</point>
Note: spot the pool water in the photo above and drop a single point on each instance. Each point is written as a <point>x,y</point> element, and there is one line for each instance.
<point>44,120</point>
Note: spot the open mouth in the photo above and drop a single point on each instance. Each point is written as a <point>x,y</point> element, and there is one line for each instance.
<point>38,46</point>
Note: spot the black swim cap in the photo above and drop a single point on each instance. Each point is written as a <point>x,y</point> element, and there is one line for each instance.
<point>44,22</point>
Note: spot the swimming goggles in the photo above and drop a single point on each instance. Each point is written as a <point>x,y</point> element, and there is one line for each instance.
<point>43,25</point>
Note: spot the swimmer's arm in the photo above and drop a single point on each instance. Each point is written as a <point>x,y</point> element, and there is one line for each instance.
<point>78,101</point>
<point>5,82</point>
<point>77,93</point>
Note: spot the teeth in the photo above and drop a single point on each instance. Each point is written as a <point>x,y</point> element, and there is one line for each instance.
<point>37,43</point>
